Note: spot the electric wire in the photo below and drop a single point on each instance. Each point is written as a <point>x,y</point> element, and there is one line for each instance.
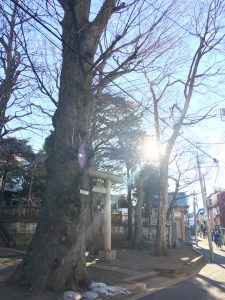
<point>39,21</point>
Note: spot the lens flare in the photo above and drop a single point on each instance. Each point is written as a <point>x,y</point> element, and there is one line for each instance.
<point>82,155</point>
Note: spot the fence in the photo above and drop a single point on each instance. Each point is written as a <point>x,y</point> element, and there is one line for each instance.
<point>11,213</point>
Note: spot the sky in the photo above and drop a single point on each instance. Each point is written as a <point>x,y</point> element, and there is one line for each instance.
<point>209,134</point>
<point>210,138</point>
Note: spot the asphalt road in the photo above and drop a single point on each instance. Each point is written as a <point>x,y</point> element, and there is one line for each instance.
<point>208,284</point>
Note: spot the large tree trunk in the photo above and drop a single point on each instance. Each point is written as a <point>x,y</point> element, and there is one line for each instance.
<point>160,246</point>
<point>3,183</point>
<point>130,207</point>
<point>138,229</point>
<point>172,202</point>
<point>56,257</point>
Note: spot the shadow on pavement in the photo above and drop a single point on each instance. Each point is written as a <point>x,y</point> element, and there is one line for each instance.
<point>211,282</point>
<point>186,290</point>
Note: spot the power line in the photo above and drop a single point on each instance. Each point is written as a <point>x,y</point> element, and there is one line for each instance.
<point>73,34</point>
<point>211,143</point>
<point>172,20</point>
<point>39,21</point>
<point>143,85</point>
<point>26,10</point>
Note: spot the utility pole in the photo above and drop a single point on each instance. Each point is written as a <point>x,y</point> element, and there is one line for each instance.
<point>195,219</point>
<point>208,228</point>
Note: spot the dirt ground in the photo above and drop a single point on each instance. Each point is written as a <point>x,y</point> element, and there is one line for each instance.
<point>146,261</point>
<point>129,260</point>
<point>142,261</point>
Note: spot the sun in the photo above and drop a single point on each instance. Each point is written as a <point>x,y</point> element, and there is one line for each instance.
<point>150,150</point>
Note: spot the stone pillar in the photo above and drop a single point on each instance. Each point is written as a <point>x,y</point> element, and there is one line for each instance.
<point>107,254</point>
<point>107,216</point>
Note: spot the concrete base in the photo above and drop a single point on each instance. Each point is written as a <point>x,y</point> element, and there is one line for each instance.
<point>107,255</point>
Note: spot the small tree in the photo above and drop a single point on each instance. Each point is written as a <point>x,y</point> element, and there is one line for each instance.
<point>34,180</point>
<point>15,156</point>
<point>182,175</point>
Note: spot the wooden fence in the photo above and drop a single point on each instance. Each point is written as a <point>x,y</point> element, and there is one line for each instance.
<point>10,213</point>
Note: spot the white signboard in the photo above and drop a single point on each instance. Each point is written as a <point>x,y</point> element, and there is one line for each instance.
<point>83,192</point>
<point>99,189</point>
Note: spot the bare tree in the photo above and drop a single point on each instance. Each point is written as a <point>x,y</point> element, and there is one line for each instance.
<point>14,90</point>
<point>183,175</point>
<point>24,68</point>
<point>207,36</point>
<point>138,229</point>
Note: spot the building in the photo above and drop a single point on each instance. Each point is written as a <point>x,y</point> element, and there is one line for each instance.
<point>216,209</point>
<point>176,222</point>
<point>179,215</point>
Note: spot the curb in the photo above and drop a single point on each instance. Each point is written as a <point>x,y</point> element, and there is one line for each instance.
<point>143,276</point>
<point>199,252</point>
<point>186,269</point>
<point>133,287</point>
<point>124,271</point>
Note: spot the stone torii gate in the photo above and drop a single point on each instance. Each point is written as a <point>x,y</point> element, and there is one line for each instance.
<point>107,254</point>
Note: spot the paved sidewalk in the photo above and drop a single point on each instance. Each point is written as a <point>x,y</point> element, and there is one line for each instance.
<point>208,283</point>
<point>203,248</point>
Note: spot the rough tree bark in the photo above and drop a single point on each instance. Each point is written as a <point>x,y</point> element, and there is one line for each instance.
<point>160,247</point>
<point>138,229</point>
<point>130,208</point>
<point>56,257</point>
